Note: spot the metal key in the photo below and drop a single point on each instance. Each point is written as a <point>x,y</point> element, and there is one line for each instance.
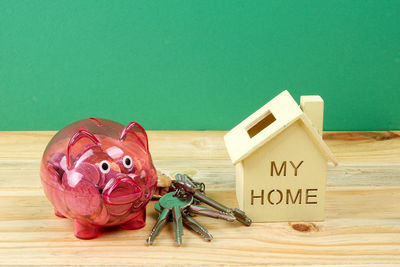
<point>185,180</point>
<point>197,189</point>
<point>171,202</point>
<point>175,204</point>
<point>190,222</point>
<point>195,226</point>
<point>157,207</point>
<point>161,221</point>
<point>237,213</point>
<point>180,204</point>
<point>211,213</point>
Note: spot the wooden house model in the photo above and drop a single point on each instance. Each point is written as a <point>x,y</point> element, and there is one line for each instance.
<point>281,160</point>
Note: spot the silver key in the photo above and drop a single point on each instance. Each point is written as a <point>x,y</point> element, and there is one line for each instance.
<point>194,188</point>
<point>237,213</point>
<point>189,222</point>
<point>188,183</point>
<point>175,205</point>
<point>195,226</point>
<point>161,221</point>
<point>211,213</point>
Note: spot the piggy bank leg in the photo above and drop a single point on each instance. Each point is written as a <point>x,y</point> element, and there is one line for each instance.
<point>59,214</point>
<point>136,222</point>
<point>86,231</point>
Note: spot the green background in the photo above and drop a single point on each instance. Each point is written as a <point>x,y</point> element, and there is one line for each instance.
<point>196,65</point>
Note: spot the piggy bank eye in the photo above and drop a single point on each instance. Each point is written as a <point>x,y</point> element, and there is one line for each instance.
<point>104,166</point>
<point>127,160</point>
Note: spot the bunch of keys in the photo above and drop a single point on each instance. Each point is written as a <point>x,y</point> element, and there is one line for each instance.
<point>180,204</point>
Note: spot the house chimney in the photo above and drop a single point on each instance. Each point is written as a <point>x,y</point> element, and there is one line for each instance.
<point>313,107</point>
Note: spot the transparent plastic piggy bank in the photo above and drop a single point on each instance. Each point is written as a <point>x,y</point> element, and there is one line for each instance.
<point>99,174</point>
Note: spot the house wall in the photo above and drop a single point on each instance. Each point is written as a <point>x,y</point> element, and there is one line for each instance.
<point>268,195</point>
<point>239,184</point>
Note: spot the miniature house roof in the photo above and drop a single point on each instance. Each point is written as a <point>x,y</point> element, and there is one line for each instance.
<point>266,123</point>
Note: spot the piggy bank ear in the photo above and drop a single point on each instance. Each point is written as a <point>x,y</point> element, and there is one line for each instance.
<point>75,145</point>
<point>136,130</point>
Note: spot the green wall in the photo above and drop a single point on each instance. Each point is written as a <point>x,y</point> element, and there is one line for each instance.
<point>196,65</point>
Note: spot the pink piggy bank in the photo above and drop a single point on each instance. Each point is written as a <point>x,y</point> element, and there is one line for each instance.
<point>99,173</point>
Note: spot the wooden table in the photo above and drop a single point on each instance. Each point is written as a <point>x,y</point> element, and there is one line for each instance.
<point>362,225</point>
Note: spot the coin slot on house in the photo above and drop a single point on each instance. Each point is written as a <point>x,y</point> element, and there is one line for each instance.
<point>263,123</point>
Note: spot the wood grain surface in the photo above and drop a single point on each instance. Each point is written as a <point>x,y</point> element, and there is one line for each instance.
<point>362,210</point>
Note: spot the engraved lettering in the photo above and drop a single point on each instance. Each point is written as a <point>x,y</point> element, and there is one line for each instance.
<point>253,197</point>
<point>305,196</point>
<point>273,167</point>
<point>308,195</point>
<point>296,167</point>
<point>289,196</point>
<point>280,195</point>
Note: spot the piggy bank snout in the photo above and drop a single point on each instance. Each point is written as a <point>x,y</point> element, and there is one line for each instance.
<point>123,191</point>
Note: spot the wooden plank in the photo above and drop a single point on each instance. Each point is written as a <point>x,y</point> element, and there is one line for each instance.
<point>362,225</point>
<point>346,146</point>
<point>350,231</point>
<point>217,174</point>
<point>364,146</point>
